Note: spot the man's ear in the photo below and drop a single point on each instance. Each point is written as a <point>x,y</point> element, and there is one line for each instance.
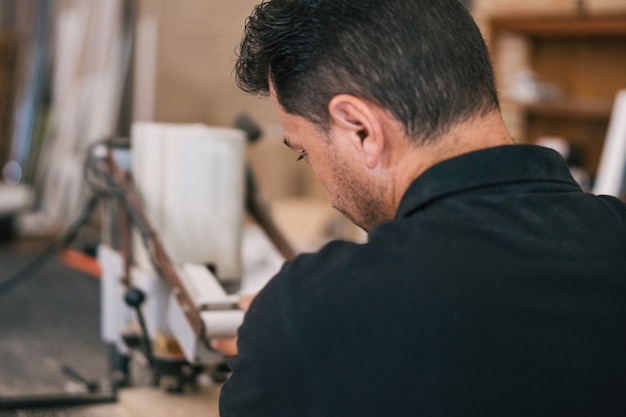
<point>359,121</point>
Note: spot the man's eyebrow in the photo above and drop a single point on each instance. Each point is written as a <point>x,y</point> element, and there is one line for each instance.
<point>287,143</point>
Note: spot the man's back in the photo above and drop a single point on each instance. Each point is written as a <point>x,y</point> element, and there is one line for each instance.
<point>498,290</point>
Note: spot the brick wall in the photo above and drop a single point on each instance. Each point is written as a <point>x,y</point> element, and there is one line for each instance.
<point>197,40</point>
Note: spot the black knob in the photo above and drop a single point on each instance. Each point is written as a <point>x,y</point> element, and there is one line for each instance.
<point>134,297</point>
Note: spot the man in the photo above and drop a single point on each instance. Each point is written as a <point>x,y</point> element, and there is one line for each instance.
<point>490,284</point>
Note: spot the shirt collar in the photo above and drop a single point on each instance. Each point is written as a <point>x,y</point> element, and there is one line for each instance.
<point>486,167</point>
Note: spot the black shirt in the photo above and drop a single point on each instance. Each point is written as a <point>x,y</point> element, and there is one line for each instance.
<point>498,290</point>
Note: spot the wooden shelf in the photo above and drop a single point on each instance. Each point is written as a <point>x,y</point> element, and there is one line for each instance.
<point>588,109</point>
<point>583,56</point>
<point>561,26</point>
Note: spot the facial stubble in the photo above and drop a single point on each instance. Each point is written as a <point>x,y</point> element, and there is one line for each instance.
<point>356,198</point>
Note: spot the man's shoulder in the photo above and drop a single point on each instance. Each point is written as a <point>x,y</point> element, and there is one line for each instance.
<point>334,262</point>
<point>341,266</point>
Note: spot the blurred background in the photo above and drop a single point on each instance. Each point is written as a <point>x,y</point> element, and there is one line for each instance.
<point>75,71</point>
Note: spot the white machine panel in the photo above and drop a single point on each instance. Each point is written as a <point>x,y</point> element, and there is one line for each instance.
<point>191,179</point>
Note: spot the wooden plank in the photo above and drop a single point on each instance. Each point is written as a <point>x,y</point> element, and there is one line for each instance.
<point>589,109</point>
<point>558,26</point>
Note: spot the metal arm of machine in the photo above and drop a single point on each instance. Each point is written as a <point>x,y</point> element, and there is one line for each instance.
<point>159,256</point>
<point>199,308</point>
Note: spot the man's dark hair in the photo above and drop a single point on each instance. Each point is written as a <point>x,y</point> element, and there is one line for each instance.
<point>424,61</point>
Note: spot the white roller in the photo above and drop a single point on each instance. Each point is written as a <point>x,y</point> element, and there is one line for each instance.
<point>222,323</point>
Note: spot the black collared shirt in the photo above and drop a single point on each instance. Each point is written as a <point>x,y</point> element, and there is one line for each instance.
<point>498,290</point>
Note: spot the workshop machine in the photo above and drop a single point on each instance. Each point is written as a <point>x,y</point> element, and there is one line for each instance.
<point>171,247</point>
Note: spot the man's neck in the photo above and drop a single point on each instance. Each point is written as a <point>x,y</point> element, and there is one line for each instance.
<point>475,134</point>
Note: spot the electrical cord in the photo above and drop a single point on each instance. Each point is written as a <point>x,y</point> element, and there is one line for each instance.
<point>102,185</point>
<point>9,284</point>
